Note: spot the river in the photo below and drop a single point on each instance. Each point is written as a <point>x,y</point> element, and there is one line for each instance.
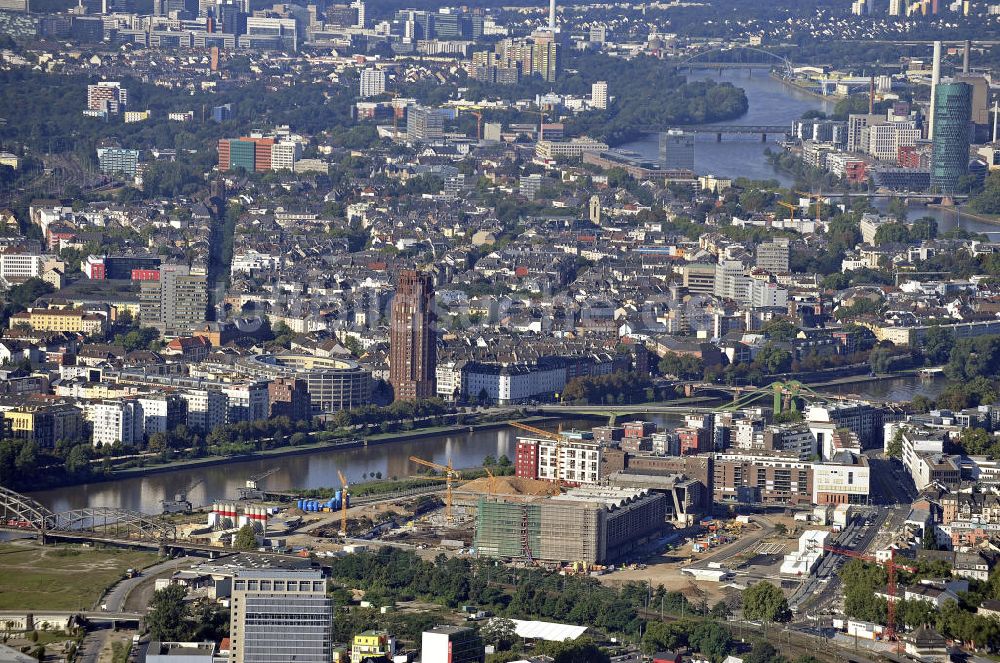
<point>771,102</point>
<point>319,469</point>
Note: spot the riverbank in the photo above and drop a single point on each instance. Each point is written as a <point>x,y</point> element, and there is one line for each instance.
<point>833,98</point>
<point>988,219</point>
<point>304,449</point>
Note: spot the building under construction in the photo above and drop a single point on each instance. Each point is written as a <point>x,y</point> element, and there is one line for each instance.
<point>593,525</point>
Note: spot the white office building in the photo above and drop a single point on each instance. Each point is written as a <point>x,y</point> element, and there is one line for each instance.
<point>285,154</point>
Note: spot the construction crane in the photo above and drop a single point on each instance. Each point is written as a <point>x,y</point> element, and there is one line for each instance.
<point>251,490</point>
<point>890,566</point>
<point>790,207</point>
<point>817,198</point>
<point>449,475</point>
<point>555,437</point>
<point>343,504</point>
<point>491,485</point>
<point>541,123</point>
<point>181,503</point>
<point>395,113</point>
<point>479,124</point>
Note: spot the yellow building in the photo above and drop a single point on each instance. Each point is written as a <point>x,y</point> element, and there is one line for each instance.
<point>60,320</point>
<point>371,644</point>
<point>44,424</point>
<point>8,159</point>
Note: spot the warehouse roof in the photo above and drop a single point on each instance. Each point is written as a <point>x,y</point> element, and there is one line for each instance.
<point>535,630</point>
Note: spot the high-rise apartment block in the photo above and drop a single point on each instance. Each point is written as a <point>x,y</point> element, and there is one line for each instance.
<point>107,96</point>
<point>280,615</point>
<point>423,124</point>
<point>412,337</point>
<point>950,154</point>
<point>513,58</point>
<point>118,161</point>
<point>176,302</point>
<point>599,94</point>
<point>372,83</point>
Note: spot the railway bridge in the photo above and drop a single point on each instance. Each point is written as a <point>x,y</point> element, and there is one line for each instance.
<point>20,513</point>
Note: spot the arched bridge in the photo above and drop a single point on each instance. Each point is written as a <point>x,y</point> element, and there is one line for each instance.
<point>23,514</point>
<point>740,57</point>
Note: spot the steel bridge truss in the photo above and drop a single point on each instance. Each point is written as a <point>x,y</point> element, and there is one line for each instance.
<point>20,512</point>
<point>741,56</point>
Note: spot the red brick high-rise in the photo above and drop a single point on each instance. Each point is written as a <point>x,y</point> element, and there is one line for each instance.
<point>412,340</point>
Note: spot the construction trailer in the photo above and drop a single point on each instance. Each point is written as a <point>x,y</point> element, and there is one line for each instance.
<point>592,525</point>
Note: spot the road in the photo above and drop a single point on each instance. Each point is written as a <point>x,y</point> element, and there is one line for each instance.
<point>116,597</point>
<point>892,492</point>
<point>93,643</point>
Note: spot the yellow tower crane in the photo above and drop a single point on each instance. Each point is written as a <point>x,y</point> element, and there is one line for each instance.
<point>790,207</point>
<point>817,198</point>
<point>449,475</point>
<point>555,437</point>
<point>343,504</point>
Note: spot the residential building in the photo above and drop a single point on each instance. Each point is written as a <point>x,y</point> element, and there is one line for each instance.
<point>45,425</point>
<point>372,644</point>
<point>118,161</point>
<point>599,95</point>
<point>113,422</point>
<point>289,397</point>
<point>107,96</point>
<point>372,83</point>
<point>206,409</point>
<point>575,460</point>
<point>175,303</point>
<point>246,402</point>
<point>423,124</point>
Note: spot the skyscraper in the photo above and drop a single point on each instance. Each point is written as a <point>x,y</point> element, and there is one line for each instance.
<point>280,615</point>
<point>935,79</point>
<point>950,152</point>
<point>677,150</point>
<point>412,340</point>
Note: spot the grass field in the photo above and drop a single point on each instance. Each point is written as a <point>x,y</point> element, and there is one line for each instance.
<point>61,577</point>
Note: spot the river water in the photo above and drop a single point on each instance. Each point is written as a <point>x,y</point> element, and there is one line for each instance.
<point>319,469</point>
<point>773,103</point>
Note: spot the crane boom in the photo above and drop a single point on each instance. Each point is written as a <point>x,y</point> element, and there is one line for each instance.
<point>343,504</point>
<point>558,439</point>
<point>537,431</point>
<point>449,474</point>
<point>890,566</point>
